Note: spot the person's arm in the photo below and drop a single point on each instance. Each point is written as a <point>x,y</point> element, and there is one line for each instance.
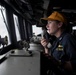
<point>58,67</point>
<point>46,51</point>
<point>68,66</point>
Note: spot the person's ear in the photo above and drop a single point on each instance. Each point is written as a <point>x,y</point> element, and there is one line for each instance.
<point>60,24</point>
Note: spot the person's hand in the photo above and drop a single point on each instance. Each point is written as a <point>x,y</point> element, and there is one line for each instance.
<point>44,43</point>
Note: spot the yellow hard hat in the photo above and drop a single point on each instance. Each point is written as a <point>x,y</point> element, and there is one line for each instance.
<point>56,16</point>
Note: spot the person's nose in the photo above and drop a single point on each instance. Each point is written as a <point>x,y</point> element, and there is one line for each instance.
<point>47,25</point>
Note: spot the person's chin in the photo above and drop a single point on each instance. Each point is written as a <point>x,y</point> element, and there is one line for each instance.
<point>48,31</point>
<point>51,33</point>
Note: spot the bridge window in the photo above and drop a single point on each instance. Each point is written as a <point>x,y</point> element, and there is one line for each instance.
<point>17,29</point>
<point>4,31</point>
<point>36,30</point>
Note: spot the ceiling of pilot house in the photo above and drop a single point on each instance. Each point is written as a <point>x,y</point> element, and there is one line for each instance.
<point>33,10</point>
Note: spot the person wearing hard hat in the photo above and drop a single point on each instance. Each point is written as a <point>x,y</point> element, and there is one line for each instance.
<point>62,54</point>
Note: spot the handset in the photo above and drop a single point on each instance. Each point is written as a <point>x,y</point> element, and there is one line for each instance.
<point>45,36</point>
<point>42,35</point>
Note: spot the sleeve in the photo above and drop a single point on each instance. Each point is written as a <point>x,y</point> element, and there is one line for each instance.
<point>70,50</point>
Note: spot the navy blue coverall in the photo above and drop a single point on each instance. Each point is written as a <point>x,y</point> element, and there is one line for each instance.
<point>63,50</point>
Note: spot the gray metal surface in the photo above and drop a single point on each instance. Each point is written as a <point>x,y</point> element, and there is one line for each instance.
<point>34,46</point>
<point>21,65</point>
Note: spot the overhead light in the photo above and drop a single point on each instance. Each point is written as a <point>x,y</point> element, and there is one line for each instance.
<point>69,10</point>
<point>56,7</point>
<point>74,28</point>
<point>71,22</point>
